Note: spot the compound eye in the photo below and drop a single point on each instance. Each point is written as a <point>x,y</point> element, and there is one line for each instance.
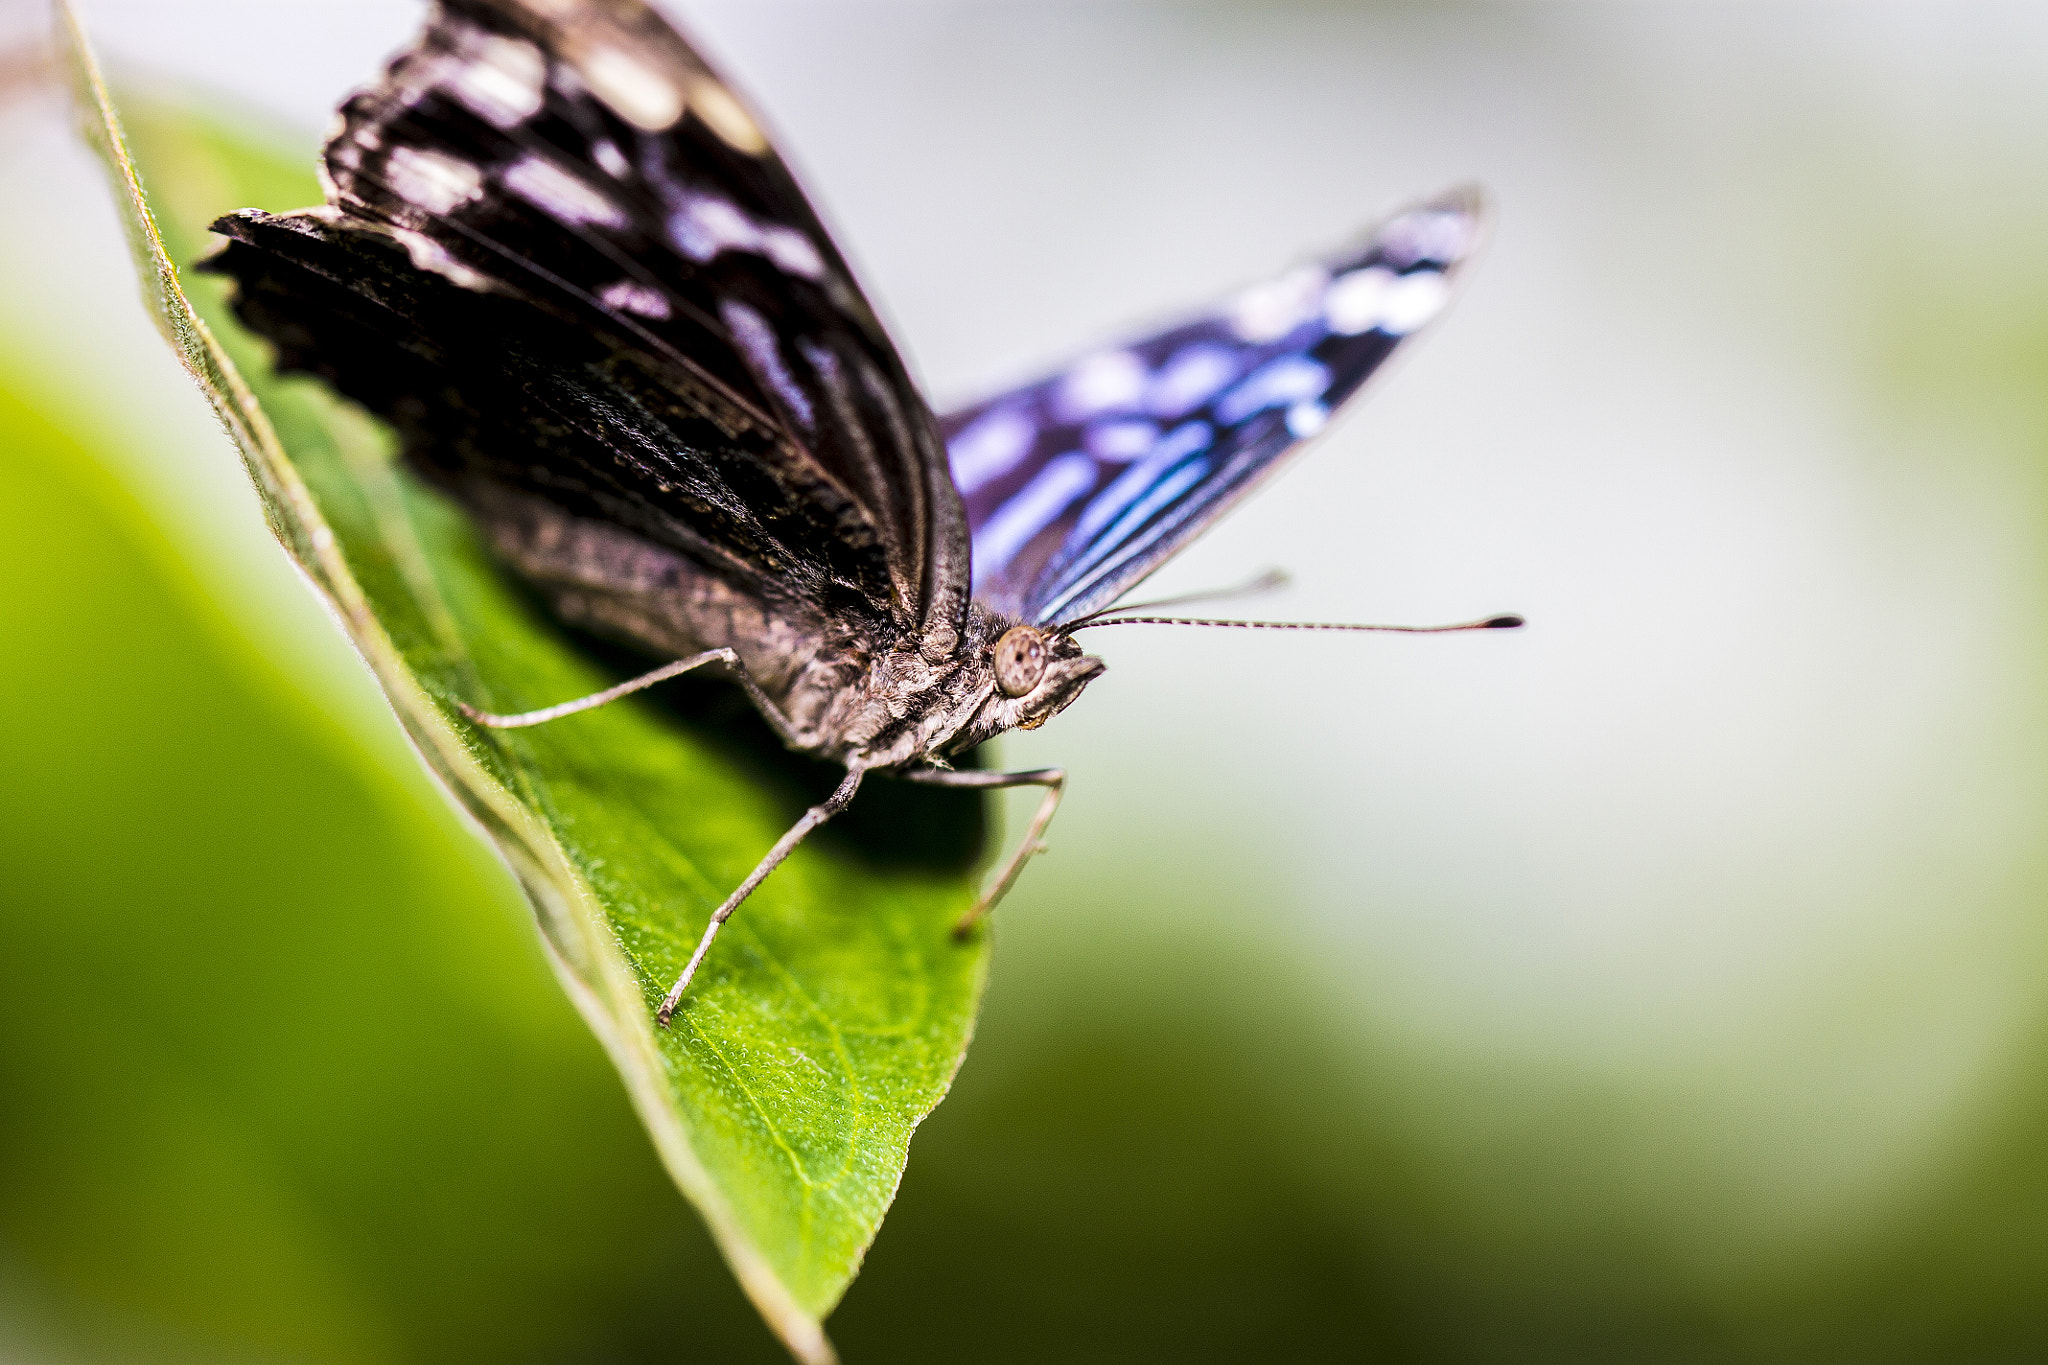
<point>1020,660</point>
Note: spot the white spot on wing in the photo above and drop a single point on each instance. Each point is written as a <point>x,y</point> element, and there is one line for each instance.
<point>989,447</point>
<point>793,252</point>
<point>1056,488</point>
<point>502,79</point>
<point>704,227</point>
<point>607,155</point>
<point>631,296</point>
<point>726,116</point>
<point>1305,419</point>
<point>1119,441</point>
<point>547,186</point>
<point>1426,235</point>
<point>428,254</point>
<point>1352,304</point>
<point>1376,297</point>
<point>433,181</point>
<point>1190,379</point>
<point>1101,383</point>
<point>1269,311</point>
<point>635,91</point>
<point>1412,300</point>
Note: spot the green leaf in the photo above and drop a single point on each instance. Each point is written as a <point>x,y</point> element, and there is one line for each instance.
<point>835,1009</point>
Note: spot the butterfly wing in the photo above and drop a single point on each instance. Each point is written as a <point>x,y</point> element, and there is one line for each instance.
<point>720,384</point>
<point>1081,484</point>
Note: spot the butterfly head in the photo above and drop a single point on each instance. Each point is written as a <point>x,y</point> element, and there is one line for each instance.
<point>1037,674</point>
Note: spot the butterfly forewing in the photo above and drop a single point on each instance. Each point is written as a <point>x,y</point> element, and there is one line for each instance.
<point>585,160</point>
<point>1080,484</point>
<point>516,408</point>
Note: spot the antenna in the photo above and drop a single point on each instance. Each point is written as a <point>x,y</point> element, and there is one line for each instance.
<point>1488,623</point>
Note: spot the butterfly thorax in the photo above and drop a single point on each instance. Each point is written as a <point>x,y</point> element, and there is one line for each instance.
<point>915,704</point>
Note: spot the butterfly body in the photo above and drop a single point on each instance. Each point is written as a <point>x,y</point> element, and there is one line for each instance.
<point>854,692</point>
<point>561,259</point>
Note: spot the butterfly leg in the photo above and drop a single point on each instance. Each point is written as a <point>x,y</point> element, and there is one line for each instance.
<point>492,721</point>
<point>812,818</point>
<point>1054,780</point>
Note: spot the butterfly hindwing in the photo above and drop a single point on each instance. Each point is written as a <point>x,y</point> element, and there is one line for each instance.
<point>584,161</point>
<point>1079,485</point>
<point>509,404</point>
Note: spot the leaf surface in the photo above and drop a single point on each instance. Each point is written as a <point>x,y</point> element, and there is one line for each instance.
<point>836,1007</point>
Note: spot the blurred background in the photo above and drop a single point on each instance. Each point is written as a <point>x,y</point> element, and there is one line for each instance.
<point>1667,980</point>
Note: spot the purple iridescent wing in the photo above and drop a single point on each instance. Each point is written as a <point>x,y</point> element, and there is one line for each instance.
<point>561,256</point>
<point>1081,484</point>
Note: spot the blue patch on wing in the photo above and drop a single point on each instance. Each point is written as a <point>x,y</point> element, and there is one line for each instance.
<point>1079,485</point>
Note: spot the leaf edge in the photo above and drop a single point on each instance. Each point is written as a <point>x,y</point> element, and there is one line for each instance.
<point>559,895</point>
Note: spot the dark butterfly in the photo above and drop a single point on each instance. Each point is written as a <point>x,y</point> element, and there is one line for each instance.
<point>561,259</point>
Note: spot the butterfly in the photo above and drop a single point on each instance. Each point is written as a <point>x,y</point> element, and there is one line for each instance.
<point>562,260</point>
